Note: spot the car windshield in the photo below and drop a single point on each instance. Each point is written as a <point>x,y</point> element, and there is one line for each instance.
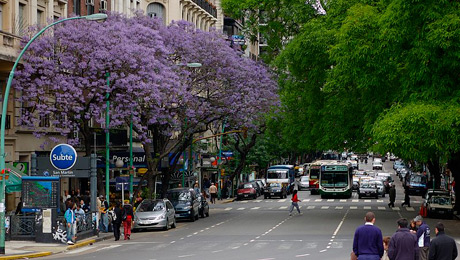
<point>151,205</point>
<point>277,174</point>
<point>418,179</point>
<point>275,185</point>
<point>440,200</point>
<point>367,185</point>
<point>245,186</point>
<point>179,195</point>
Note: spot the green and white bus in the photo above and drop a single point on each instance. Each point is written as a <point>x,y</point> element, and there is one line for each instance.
<point>336,180</point>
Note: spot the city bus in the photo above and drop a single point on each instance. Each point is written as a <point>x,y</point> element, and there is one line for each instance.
<point>313,175</point>
<point>284,174</point>
<point>336,180</point>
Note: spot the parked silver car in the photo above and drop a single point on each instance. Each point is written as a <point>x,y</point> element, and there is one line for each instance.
<point>154,214</point>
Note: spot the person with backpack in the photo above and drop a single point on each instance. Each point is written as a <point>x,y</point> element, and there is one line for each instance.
<point>127,218</point>
<point>116,222</point>
<point>70,222</point>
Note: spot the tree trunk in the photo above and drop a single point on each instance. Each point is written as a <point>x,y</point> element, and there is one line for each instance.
<point>433,166</point>
<point>243,151</point>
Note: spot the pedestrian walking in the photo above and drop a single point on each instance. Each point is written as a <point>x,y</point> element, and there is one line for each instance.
<point>229,188</point>
<point>70,219</point>
<point>386,244</point>
<point>368,241</point>
<point>294,203</point>
<point>104,214</point>
<point>392,196</point>
<point>117,215</point>
<point>403,244</point>
<point>213,192</point>
<point>413,227</point>
<point>442,247</point>
<point>127,217</point>
<point>423,237</point>
<point>406,197</point>
<point>19,207</point>
<point>80,219</point>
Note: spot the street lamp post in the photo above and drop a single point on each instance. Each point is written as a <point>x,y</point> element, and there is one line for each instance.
<point>107,139</point>
<point>93,17</point>
<point>219,161</point>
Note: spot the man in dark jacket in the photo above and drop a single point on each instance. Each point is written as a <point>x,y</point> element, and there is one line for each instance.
<point>423,237</point>
<point>392,196</point>
<point>403,244</point>
<point>368,240</point>
<point>442,247</point>
<point>117,221</point>
<point>406,197</point>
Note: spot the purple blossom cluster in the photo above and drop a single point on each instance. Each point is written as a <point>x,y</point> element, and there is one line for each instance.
<point>65,72</point>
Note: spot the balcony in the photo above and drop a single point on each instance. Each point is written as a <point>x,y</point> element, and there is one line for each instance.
<point>205,5</point>
<point>10,44</point>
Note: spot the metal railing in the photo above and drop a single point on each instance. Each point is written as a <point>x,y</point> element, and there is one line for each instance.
<point>207,7</point>
<point>22,227</point>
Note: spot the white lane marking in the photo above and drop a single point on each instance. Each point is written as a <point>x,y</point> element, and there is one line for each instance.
<point>257,200</point>
<point>410,209</point>
<point>182,256</point>
<point>240,208</point>
<point>382,208</point>
<point>310,207</point>
<point>266,259</point>
<point>318,200</point>
<point>380,201</point>
<point>79,250</point>
<point>217,251</point>
<point>283,207</point>
<point>338,207</point>
<point>244,201</point>
<point>302,255</point>
<point>343,200</point>
<point>367,207</point>
<point>172,242</point>
<point>322,251</point>
<point>396,208</point>
<point>255,208</point>
<point>367,201</point>
<point>354,200</point>
<point>353,207</point>
<point>325,207</point>
<point>228,209</point>
<point>330,200</point>
<point>283,200</point>
<point>307,200</point>
<point>108,247</point>
<point>340,224</point>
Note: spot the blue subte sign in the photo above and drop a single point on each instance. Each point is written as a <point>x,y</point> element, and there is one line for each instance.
<point>63,157</point>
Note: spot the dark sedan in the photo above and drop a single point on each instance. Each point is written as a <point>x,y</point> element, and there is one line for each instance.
<point>368,190</point>
<point>275,190</point>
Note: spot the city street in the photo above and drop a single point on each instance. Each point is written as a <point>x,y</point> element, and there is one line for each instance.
<point>262,229</point>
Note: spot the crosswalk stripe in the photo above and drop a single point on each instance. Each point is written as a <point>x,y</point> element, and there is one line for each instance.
<point>330,200</point>
<point>257,200</point>
<point>353,207</point>
<point>343,200</point>
<point>367,201</point>
<point>240,209</point>
<point>244,201</point>
<point>318,200</point>
<point>255,208</point>
<point>396,208</point>
<point>354,200</point>
<point>380,201</point>
<point>283,200</point>
<point>338,207</point>
<point>307,200</point>
<point>382,208</point>
<point>325,207</point>
<point>310,207</point>
<point>283,207</point>
<point>410,209</point>
<point>367,207</point>
<point>228,209</point>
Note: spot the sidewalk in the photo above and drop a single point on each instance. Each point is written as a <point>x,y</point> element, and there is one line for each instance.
<point>30,249</point>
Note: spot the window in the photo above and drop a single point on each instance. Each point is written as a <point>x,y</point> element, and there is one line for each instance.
<point>7,121</point>
<point>77,7</point>
<point>155,10</point>
<point>40,17</point>
<point>44,121</point>
<point>90,9</point>
<point>1,16</point>
<point>22,20</point>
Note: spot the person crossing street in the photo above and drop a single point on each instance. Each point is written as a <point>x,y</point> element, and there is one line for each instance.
<point>294,203</point>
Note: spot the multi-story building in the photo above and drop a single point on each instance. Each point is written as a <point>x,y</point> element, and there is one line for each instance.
<point>88,7</point>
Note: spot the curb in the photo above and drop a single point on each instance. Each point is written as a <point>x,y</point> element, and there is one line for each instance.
<point>81,244</point>
<point>30,255</point>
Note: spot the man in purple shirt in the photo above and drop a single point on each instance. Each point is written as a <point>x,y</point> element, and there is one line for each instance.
<point>403,244</point>
<point>367,242</point>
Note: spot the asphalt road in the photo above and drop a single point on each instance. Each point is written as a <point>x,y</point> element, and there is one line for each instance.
<point>263,230</point>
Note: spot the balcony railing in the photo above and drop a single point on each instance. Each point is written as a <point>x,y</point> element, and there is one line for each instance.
<point>207,7</point>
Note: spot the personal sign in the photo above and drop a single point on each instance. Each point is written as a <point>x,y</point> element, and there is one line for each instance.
<point>63,157</point>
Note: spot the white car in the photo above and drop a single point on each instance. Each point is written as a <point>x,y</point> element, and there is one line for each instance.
<point>304,183</point>
<point>377,165</point>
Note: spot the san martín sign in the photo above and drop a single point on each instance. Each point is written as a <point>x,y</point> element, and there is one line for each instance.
<point>63,157</point>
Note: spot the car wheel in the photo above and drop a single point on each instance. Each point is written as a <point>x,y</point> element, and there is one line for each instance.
<point>167,225</point>
<point>174,225</point>
<point>202,213</point>
<point>359,197</point>
<point>265,196</point>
